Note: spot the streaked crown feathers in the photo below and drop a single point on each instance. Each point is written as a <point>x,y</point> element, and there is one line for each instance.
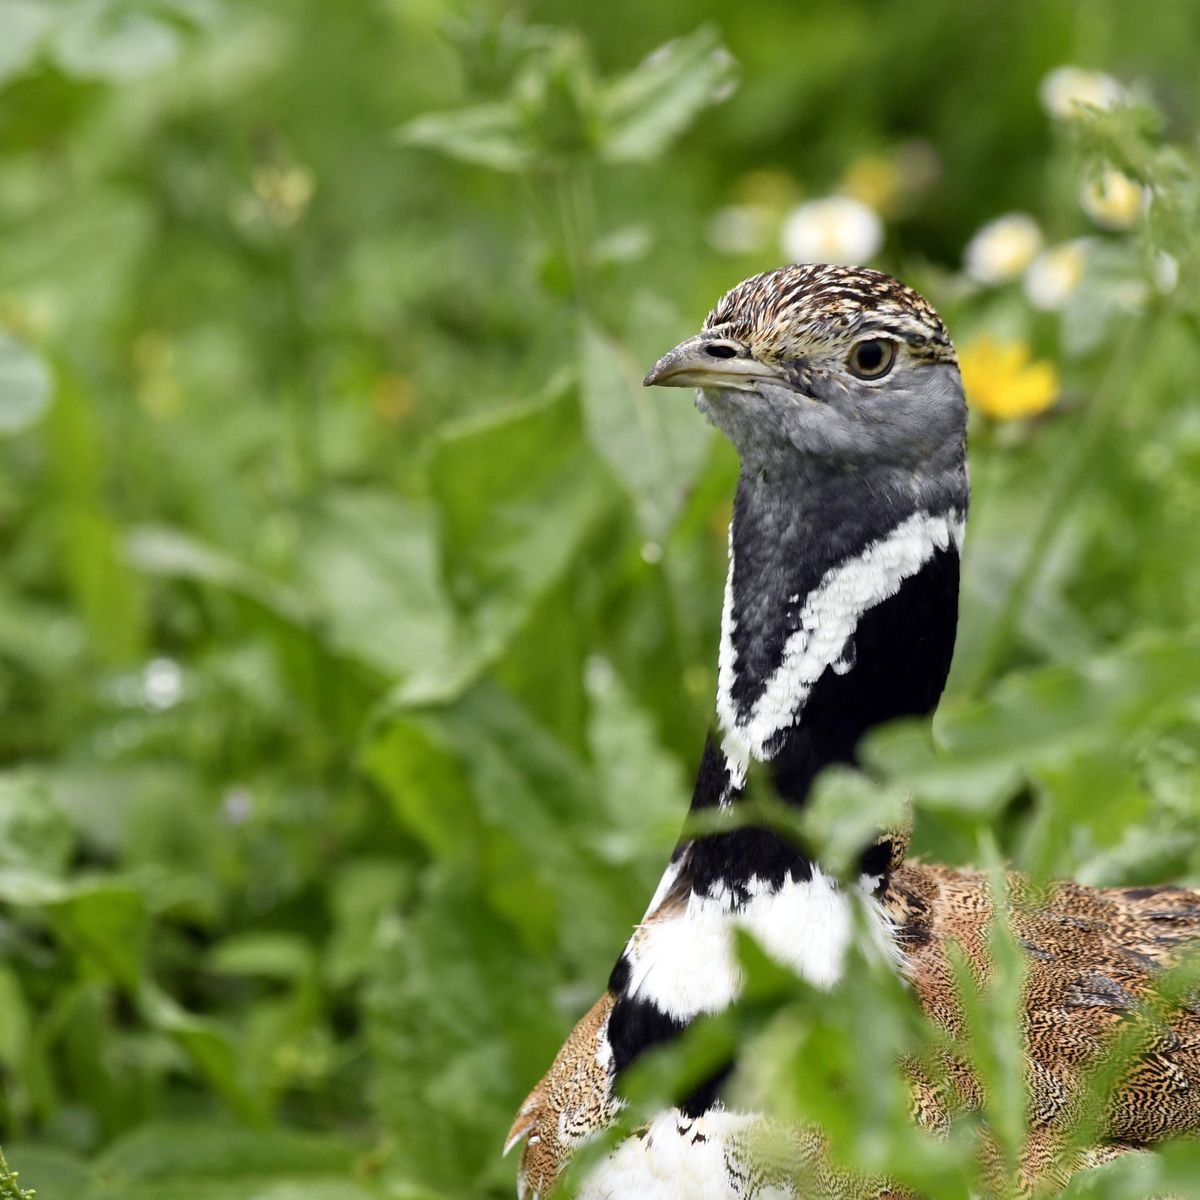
<point>822,305</point>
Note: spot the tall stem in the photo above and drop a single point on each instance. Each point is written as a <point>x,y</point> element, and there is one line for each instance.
<point>1067,486</point>
<point>577,234</point>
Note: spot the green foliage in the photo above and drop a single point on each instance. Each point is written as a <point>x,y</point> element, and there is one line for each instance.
<point>359,610</point>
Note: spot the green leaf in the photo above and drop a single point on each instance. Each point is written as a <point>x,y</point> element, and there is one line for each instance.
<point>370,568</point>
<point>517,494</point>
<point>992,1011</point>
<point>646,109</point>
<point>34,832</point>
<point>103,920</point>
<point>173,554</point>
<point>105,591</point>
<point>490,135</point>
<point>1041,716</point>
<point>642,787</point>
<point>428,790</point>
<point>1087,804</point>
<point>846,813</point>
<point>24,378</point>
<point>76,261</point>
<point>491,794</point>
<point>654,444</point>
<point>113,42</point>
<point>282,956</point>
<point>210,1049</point>
<point>23,23</point>
<point>10,1189</point>
<point>49,1171</point>
<point>168,1157</point>
<point>29,1089</point>
<point>461,1020</point>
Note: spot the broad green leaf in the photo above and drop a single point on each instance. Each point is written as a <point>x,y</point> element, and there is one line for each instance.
<point>1086,805</point>
<point>642,787</point>
<point>24,378</point>
<point>426,785</point>
<point>461,1020</point>
<point>846,813</point>
<point>654,443</point>
<point>10,1188</point>
<point>363,895</point>
<point>832,1059</point>
<point>22,26</point>
<point>34,832</point>
<point>370,567</point>
<point>490,135</point>
<point>76,262</point>
<point>102,920</point>
<point>48,1170</point>
<point>172,1154</point>
<point>1045,715</point>
<point>106,922</point>
<point>1169,1170</point>
<point>1045,711</point>
<point>100,40</point>
<point>517,493</point>
<point>489,792</point>
<point>173,554</point>
<point>39,636</point>
<point>210,1049</point>
<point>281,956</point>
<point>646,109</point>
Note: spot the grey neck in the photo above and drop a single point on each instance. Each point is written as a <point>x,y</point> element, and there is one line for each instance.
<point>835,574</point>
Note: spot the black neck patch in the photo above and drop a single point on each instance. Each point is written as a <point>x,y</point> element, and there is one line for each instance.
<point>904,646</point>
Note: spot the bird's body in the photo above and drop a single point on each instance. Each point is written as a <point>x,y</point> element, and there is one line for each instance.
<point>840,390</point>
<point>1094,955</point>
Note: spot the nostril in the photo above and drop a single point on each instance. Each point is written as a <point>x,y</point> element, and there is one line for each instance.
<point>721,350</point>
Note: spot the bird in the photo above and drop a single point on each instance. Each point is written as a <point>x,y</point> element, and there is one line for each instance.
<point>839,388</point>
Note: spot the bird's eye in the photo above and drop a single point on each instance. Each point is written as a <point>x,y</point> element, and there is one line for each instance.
<point>872,359</point>
<point>722,349</point>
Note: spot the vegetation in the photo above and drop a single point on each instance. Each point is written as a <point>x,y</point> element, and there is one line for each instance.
<point>358,612</point>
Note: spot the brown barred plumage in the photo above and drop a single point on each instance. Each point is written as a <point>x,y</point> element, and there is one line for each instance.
<point>1092,959</point>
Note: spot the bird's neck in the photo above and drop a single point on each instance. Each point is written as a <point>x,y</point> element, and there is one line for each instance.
<point>840,613</point>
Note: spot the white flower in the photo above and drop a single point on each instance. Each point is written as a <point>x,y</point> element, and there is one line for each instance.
<point>1166,272</point>
<point>1068,92</point>
<point>237,805</point>
<point>162,684</point>
<point>836,229</point>
<point>1113,201</point>
<point>1055,274</point>
<point>1002,249</point>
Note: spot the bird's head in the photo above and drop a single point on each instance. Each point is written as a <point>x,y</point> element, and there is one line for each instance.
<point>813,361</point>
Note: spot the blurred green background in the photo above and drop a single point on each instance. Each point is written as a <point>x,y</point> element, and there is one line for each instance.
<point>358,612</point>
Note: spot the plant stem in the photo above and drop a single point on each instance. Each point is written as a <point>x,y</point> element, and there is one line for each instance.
<point>1065,490</point>
<point>576,231</point>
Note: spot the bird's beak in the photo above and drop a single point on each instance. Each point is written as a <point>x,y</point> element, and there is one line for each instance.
<point>690,365</point>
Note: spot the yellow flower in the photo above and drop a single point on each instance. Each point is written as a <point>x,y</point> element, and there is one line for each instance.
<point>1003,380</point>
<point>875,181</point>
